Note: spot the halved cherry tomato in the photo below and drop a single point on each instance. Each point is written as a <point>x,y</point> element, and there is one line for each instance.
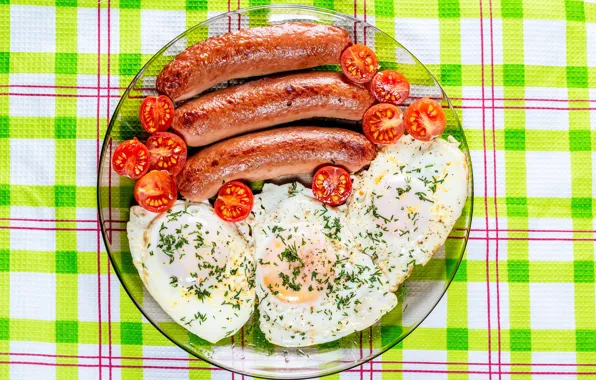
<point>389,86</point>
<point>425,119</point>
<point>156,113</point>
<point>167,151</point>
<point>332,185</point>
<point>359,63</point>
<point>156,191</point>
<point>131,159</point>
<point>234,202</point>
<point>383,123</point>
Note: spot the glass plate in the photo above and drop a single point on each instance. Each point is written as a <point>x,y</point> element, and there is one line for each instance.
<point>248,352</point>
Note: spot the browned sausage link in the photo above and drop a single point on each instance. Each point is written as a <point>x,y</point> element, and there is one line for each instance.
<point>267,102</point>
<point>251,52</point>
<point>270,154</point>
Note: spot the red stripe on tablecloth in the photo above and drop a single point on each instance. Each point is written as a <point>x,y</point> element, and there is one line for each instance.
<point>341,361</point>
<point>57,95</point>
<point>455,229</point>
<point>485,191</point>
<point>492,73</point>
<point>47,228</point>
<point>529,108</point>
<point>522,230</point>
<point>51,220</point>
<point>99,346</point>
<point>65,87</point>
<point>151,88</point>
<point>188,368</point>
<point>110,192</point>
<point>531,100</point>
<point>455,106</point>
<point>450,237</point>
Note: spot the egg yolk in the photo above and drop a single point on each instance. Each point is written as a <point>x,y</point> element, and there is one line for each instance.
<point>297,273</point>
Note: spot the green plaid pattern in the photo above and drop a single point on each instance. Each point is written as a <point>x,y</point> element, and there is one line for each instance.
<point>522,76</point>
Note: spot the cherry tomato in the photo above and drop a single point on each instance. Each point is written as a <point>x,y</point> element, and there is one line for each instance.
<point>359,63</point>
<point>156,113</point>
<point>167,151</point>
<point>383,123</point>
<point>156,191</point>
<point>389,86</point>
<point>234,202</point>
<point>131,159</point>
<point>425,119</point>
<point>332,185</point>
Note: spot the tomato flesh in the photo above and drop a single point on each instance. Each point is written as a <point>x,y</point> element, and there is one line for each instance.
<point>383,123</point>
<point>359,63</point>
<point>234,201</point>
<point>425,119</point>
<point>332,185</point>
<point>167,151</point>
<point>389,86</point>
<point>131,159</point>
<point>156,191</point>
<point>156,113</point>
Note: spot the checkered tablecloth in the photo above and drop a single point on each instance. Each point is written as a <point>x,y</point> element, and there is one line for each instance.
<point>522,75</point>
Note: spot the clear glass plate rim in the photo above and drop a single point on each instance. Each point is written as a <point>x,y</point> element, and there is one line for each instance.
<point>107,139</point>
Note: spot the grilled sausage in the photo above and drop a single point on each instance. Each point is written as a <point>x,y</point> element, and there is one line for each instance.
<point>270,154</point>
<point>251,52</point>
<point>267,102</point>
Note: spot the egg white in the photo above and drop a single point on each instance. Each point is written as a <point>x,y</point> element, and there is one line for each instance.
<point>404,206</point>
<point>313,286</point>
<point>199,268</point>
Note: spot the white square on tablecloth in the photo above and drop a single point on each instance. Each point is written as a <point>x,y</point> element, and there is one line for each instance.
<point>32,162</point>
<point>416,360</point>
<point>86,162</point>
<point>550,250</point>
<point>423,39</point>
<point>538,118</point>
<point>552,306</point>
<point>548,174</point>
<point>32,371</point>
<point>478,158</point>
<point>87,30</point>
<point>477,305</point>
<point>32,240</point>
<point>158,27</point>
<point>545,42</point>
<point>438,317</point>
<point>32,29</point>
<point>32,105</point>
<point>87,241</point>
<point>87,288</point>
<point>592,95</point>
<point>591,35</point>
<point>471,47</point>
<point>470,41</point>
<point>33,295</point>
<point>478,302</point>
<point>32,102</point>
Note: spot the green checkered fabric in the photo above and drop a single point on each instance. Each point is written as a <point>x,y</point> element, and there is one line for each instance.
<point>522,77</point>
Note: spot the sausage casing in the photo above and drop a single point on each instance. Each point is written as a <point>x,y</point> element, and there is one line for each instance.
<point>267,102</point>
<point>270,154</point>
<point>251,52</point>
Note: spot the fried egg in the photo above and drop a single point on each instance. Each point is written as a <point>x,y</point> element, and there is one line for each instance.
<point>199,268</point>
<point>404,206</point>
<point>313,286</point>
